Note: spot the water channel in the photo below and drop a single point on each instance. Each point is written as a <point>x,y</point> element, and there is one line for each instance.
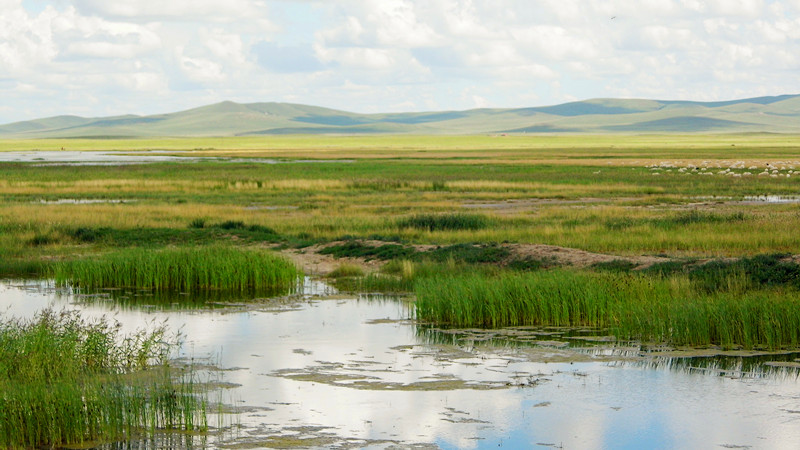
<point>329,370</point>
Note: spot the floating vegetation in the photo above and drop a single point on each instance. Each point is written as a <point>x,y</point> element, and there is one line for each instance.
<point>182,270</point>
<point>630,306</point>
<point>66,381</point>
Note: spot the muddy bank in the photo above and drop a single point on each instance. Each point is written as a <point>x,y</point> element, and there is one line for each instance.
<point>315,263</point>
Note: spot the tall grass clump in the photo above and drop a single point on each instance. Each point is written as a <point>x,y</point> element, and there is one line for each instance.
<point>628,305</point>
<point>445,222</point>
<point>182,270</point>
<point>66,381</point>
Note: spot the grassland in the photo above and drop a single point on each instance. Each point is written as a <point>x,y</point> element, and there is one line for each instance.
<point>632,150</point>
<point>688,198</point>
<point>572,192</point>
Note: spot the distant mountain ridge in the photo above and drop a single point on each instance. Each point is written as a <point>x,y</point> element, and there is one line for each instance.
<point>777,114</point>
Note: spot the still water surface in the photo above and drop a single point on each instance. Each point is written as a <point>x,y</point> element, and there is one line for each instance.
<point>328,370</point>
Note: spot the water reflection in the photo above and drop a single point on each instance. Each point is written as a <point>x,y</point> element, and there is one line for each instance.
<point>345,371</point>
<point>105,158</point>
<point>144,299</point>
<point>581,342</point>
<point>160,441</point>
<point>772,199</point>
<point>763,366</point>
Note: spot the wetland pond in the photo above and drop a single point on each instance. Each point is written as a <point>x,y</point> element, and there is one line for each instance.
<point>112,158</point>
<point>323,369</point>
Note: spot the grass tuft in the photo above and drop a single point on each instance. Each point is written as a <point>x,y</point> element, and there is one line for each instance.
<point>231,225</point>
<point>617,265</point>
<point>445,222</point>
<point>346,270</point>
<point>41,239</point>
<point>197,223</point>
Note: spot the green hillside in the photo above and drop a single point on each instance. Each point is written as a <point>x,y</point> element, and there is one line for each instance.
<point>780,114</point>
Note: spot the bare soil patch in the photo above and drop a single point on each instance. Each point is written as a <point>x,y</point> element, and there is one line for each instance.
<point>314,263</point>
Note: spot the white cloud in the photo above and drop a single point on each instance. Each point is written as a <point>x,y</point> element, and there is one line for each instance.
<point>150,56</point>
<point>396,24</point>
<point>741,8</point>
<point>662,37</point>
<point>144,82</point>
<point>349,32</point>
<point>462,19</point>
<point>556,42</point>
<point>226,46</point>
<point>358,57</point>
<point>175,10</point>
<point>24,42</point>
<point>202,70</point>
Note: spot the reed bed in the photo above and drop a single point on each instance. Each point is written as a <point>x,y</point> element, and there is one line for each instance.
<point>182,270</point>
<point>630,306</point>
<point>66,381</point>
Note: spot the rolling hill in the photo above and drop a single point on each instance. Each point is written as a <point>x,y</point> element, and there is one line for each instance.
<point>779,114</point>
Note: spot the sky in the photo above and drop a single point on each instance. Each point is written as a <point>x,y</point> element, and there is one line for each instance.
<point>96,58</point>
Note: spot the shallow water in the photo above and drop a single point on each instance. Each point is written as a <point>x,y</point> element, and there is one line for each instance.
<point>772,199</point>
<point>328,370</point>
<point>68,157</point>
<point>103,158</point>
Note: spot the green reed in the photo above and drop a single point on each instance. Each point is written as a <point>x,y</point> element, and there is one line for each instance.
<point>66,381</point>
<point>182,270</point>
<point>439,222</point>
<point>630,306</point>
